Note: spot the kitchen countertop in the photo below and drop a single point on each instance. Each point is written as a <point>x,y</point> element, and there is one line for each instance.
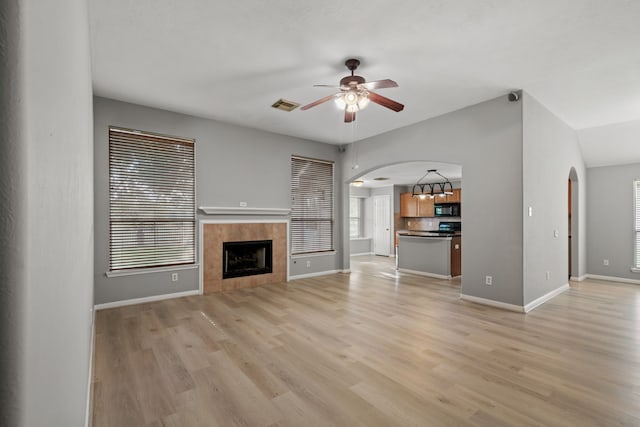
<point>427,233</point>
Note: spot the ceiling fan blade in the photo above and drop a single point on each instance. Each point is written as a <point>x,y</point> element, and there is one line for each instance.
<point>385,102</point>
<point>379,84</point>
<point>349,116</point>
<point>319,101</point>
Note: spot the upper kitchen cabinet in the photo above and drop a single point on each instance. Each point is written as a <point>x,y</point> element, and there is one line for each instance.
<point>408,205</point>
<point>425,207</point>
<point>415,207</point>
<point>455,197</point>
<point>412,207</point>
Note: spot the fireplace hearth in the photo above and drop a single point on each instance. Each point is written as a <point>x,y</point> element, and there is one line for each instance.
<point>246,258</point>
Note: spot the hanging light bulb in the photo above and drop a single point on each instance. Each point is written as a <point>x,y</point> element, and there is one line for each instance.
<point>352,101</point>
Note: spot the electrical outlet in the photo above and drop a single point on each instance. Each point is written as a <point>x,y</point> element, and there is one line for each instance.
<point>548,275</point>
<point>243,204</point>
<point>174,277</point>
<point>488,280</point>
<point>605,262</point>
<point>308,264</point>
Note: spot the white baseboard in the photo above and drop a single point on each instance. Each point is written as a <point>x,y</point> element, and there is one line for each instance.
<point>546,297</point>
<point>319,273</point>
<point>578,278</point>
<point>613,279</point>
<point>492,303</point>
<point>423,273</point>
<point>145,299</point>
<point>89,408</point>
<point>347,271</point>
<point>362,254</point>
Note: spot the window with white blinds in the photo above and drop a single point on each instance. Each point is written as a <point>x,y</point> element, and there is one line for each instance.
<point>311,206</point>
<point>355,217</point>
<point>636,212</point>
<point>152,200</point>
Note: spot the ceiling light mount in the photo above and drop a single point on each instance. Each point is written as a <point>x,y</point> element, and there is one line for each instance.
<point>352,64</point>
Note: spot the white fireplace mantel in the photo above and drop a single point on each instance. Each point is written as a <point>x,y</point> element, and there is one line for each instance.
<point>214,210</point>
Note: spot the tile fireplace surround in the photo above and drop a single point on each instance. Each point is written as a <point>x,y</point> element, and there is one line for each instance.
<point>215,233</point>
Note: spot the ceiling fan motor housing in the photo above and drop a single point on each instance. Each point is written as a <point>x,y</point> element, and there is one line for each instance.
<point>352,81</point>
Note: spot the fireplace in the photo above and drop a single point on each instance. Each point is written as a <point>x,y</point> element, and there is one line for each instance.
<point>214,233</point>
<point>246,258</point>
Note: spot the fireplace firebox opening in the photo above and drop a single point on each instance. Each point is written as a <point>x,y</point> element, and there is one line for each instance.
<point>246,258</point>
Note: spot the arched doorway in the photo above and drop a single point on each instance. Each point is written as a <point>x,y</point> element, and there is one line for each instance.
<point>367,190</point>
<point>573,218</point>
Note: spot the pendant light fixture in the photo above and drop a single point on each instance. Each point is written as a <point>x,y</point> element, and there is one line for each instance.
<point>432,190</point>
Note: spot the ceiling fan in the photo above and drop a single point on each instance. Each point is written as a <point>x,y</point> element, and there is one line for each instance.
<point>355,94</point>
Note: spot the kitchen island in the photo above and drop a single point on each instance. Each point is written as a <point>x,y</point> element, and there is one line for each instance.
<point>430,254</point>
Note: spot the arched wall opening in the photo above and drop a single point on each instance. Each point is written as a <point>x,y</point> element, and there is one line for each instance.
<point>376,187</point>
<point>573,208</point>
<point>486,141</point>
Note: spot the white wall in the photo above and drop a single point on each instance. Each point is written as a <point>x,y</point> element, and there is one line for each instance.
<point>486,140</point>
<point>47,215</point>
<point>610,223</point>
<point>550,150</point>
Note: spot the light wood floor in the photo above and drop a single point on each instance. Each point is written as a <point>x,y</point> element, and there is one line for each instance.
<point>373,348</point>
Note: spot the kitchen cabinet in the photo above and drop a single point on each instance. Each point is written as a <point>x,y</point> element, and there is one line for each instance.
<point>414,207</point>
<point>430,255</point>
<point>456,256</point>
<point>425,207</point>
<point>408,205</point>
<point>455,197</point>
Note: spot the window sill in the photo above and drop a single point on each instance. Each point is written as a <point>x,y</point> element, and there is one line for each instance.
<point>635,269</point>
<point>151,270</point>
<point>360,238</point>
<point>313,254</point>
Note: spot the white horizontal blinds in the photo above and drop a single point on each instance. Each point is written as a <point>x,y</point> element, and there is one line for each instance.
<point>355,228</point>
<point>311,205</point>
<point>152,200</point>
<point>636,193</point>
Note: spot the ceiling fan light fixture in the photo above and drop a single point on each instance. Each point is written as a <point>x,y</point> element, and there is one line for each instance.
<point>352,101</point>
<point>357,183</point>
<point>363,101</point>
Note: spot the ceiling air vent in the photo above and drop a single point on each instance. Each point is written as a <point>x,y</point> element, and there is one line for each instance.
<point>283,104</point>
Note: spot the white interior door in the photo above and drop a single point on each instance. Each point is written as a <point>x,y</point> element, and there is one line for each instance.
<point>382,225</point>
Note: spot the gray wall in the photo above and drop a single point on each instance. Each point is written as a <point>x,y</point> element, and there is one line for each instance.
<point>550,151</point>
<point>233,164</point>
<point>360,246</point>
<point>486,140</point>
<point>610,222</point>
<point>46,188</point>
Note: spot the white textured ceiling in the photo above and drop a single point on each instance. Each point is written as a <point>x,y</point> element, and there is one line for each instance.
<point>409,173</point>
<point>230,61</point>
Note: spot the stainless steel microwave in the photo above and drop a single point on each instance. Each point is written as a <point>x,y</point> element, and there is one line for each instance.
<point>447,209</point>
